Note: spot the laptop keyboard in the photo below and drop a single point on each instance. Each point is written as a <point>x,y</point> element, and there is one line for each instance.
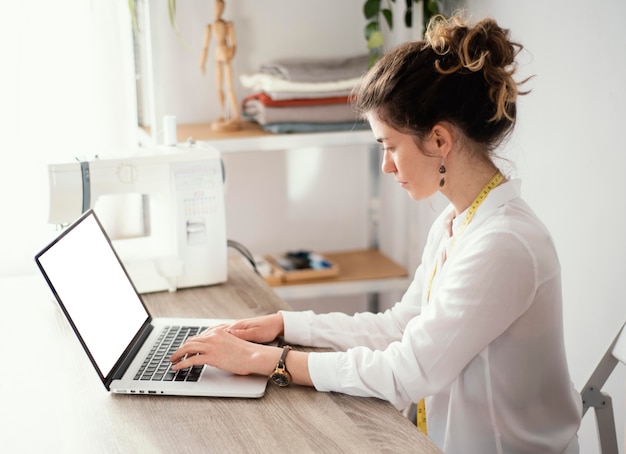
<point>157,366</point>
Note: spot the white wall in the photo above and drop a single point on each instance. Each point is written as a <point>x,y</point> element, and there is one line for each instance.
<point>64,93</point>
<point>570,152</point>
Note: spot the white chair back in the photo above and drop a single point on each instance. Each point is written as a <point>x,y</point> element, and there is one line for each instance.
<point>593,397</point>
<point>619,350</point>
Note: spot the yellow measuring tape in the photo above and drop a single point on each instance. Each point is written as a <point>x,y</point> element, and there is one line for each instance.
<point>495,181</point>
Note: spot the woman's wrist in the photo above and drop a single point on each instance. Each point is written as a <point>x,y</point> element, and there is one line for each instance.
<point>264,359</point>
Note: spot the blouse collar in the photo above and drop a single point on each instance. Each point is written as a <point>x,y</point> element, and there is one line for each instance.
<point>497,197</point>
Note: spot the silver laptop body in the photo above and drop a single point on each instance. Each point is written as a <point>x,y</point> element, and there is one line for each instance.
<point>112,323</point>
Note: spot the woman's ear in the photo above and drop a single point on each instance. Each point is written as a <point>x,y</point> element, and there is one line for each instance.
<point>442,137</point>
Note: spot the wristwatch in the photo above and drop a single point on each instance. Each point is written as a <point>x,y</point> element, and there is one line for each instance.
<point>280,376</point>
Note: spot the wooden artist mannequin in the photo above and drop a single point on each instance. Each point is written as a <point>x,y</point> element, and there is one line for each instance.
<point>225,46</point>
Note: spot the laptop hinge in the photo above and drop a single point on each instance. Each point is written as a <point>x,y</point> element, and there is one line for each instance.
<point>120,369</point>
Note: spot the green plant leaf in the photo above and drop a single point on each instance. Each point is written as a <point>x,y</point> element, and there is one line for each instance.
<point>373,59</point>
<point>388,15</point>
<point>375,40</point>
<point>408,13</point>
<point>408,18</point>
<point>172,10</point>
<point>371,8</point>
<point>133,14</point>
<point>431,7</point>
<point>371,28</point>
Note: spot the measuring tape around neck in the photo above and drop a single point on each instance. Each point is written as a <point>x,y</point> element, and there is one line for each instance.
<point>471,211</point>
<point>482,195</point>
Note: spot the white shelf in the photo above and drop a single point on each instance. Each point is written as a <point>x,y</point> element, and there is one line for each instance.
<point>252,138</point>
<point>293,141</point>
<point>360,271</point>
<point>320,290</point>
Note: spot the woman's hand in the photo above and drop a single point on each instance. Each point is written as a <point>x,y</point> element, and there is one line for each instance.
<point>219,348</point>
<point>233,348</point>
<point>258,329</point>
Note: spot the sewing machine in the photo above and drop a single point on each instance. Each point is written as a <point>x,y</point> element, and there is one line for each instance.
<point>163,209</point>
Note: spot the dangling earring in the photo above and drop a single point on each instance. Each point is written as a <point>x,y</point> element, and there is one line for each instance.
<point>442,171</point>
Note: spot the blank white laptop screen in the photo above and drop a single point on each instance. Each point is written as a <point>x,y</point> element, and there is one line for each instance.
<point>102,303</point>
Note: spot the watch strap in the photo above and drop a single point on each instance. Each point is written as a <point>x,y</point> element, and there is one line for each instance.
<point>281,376</point>
<point>283,356</point>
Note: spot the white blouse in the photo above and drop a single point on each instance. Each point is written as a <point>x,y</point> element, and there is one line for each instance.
<point>486,350</point>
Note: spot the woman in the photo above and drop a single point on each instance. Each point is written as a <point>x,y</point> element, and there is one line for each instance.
<point>479,332</point>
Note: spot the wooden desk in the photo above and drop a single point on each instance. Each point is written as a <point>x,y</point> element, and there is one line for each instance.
<point>53,402</point>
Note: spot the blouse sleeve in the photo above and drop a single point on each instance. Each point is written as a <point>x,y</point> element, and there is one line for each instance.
<point>340,331</point>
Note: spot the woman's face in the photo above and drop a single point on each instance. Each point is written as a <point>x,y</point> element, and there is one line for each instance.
<point>415,169</point>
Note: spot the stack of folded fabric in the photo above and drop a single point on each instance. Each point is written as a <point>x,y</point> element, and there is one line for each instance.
<point>304,95</point>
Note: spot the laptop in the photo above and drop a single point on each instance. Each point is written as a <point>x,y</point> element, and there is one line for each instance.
<point>116,329</point>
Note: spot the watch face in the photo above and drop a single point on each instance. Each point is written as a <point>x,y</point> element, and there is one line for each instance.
<point>281,378</point>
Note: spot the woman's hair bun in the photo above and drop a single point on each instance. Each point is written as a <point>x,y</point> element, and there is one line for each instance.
<point>484,47</point>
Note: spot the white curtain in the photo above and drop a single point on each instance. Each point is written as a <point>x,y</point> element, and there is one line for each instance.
<point>66,90</point>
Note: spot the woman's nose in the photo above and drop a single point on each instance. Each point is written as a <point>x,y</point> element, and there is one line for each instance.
<point>387,165</point>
